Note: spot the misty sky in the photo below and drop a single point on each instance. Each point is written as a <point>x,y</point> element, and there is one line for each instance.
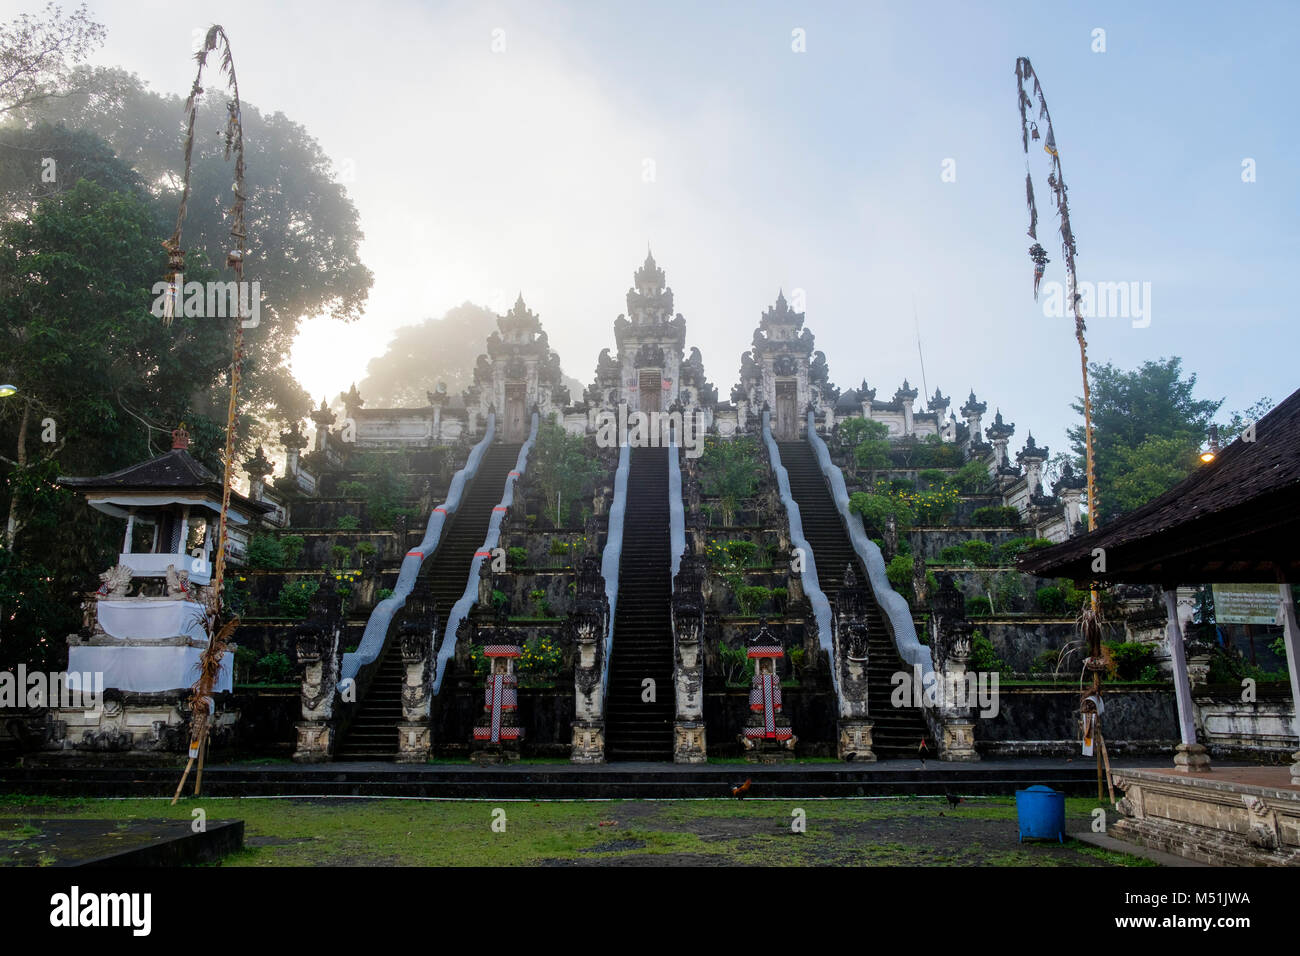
<point>479,174</point>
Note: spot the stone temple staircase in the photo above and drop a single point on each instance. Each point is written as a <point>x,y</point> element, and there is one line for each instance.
<point>442,580</point>
<point>898,731</point>
<point>643,642</point>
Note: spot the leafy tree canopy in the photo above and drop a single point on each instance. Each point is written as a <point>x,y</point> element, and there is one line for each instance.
<point>1154,406</point>
<point>303,232</point>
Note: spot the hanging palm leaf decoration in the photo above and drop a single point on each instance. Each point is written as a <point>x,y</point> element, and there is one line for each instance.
<point>1090,621</point>
<point>219,630</point>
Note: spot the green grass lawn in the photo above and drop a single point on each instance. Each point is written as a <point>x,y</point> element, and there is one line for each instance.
<point>911,831</point>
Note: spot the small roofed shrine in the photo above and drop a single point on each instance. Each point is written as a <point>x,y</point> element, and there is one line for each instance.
<point>1235,520</point>
<point>145,627</point>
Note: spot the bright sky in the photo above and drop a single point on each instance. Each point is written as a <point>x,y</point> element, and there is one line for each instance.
<point>479,174</point>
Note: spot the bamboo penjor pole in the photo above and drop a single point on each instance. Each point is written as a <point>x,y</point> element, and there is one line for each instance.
<point>218,632</point>
<point>1090,620</point>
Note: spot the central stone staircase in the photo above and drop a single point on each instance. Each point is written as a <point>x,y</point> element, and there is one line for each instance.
<point>898,731</point>
<point>373,734</point>
<point>643,643</point>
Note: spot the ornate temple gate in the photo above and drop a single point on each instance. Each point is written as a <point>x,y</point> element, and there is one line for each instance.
<point>787,412</point>
<point>650,388</point>
<point>516,424</point>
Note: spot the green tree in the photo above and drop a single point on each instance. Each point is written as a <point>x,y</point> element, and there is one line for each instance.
<point>303,231</point>
<point>1130,408</point>
<point>563,468</point>
<point>867,443</point>
<point>39,56</point>
<point>90,363</point>
<point>730,470</point>
<point>1148,471</point>
<point>27,175</point>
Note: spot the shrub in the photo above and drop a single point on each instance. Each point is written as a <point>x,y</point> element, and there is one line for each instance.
<point>348,522</point>
<point>1076,599</point>
<point>972,477</point>
<point>978,607</point>
<point>1010,591</point>
<point>245,664</point>
<point>952,554</point>
<point>499,599</point>
<point>352,489</point>
<point>563,471</point>
<point>540,656</point>
<point>1129,658</point>
<point>935,506</point>
<point>876,509</point>
<point>729,560</point>
<point>737,665</point>
<point>366,549</point>
<point>779,598</point>
<point>274,668</point>
<point>982,655</point>
<point>295,596</point>
<point>236,599</point>
<point>899,572</point>
<point>540,604</point>
<point>996,516</point>
<point>730,471</point>
<point>341,553</point>
<point>1008,551</point>
<point>383,487</point>
<point>975,553</point>
<point>1051,600</point>
<point>517,557</point>
<point>383,594</point>
<point>751,598</point>
<point>1045,663</point>
<point>291,547</point>
<point>933,476</point>
<point>264,552</point>
<point>1150,673</point>
<point>796,655</point>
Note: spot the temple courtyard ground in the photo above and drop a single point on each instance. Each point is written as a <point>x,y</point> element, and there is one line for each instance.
<point>905,831</point>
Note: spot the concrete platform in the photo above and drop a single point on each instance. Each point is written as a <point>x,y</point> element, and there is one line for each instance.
<point>1231,815</point>
<point>60,841</point>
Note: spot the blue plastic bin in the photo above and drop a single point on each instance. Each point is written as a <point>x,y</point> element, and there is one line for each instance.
<point>1041,812</point>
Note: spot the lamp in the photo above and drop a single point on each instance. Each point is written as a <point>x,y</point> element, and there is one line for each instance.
<point>1212,452</point>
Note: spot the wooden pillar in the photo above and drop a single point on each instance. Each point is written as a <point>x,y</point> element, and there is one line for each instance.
<point>130,527</point>
<point>1189,756</point>
<point>1290,639</point>
<point>185,530</point>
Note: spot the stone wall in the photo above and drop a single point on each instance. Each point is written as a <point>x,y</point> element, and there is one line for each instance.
<point>1038,721</point>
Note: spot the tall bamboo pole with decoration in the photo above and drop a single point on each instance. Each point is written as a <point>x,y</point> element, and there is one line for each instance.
<point>219,629</point>
<point>1090,623</point>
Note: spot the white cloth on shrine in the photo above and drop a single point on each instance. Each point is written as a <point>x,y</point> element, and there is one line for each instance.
<point>153,620</point>
<point>144,670</point>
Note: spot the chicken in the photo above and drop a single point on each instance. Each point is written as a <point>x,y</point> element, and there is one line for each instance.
<point>953,800</point>
<point>740,790</point>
